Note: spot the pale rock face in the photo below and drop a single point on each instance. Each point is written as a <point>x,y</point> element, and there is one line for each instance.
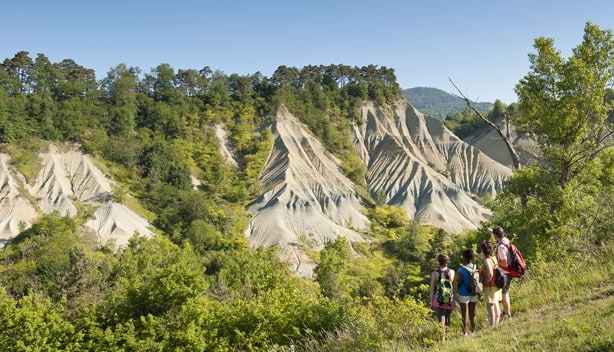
<point>306,200</point>
<point>414,160</point>
<point>487,140</point>
<point>225,145</point>
<point>306,197</point>
<point>67,177</point>
<point>14,208</point>
<point>117,222</point>
<point>424,168</point>
<point>52,187</point>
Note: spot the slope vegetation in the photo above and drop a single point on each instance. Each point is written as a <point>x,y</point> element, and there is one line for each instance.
<point>306,200</point>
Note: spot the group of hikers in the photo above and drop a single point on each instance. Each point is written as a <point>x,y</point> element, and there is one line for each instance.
<point>492,282</point>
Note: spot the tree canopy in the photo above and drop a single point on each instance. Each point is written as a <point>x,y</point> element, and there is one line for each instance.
<point>567,105</point>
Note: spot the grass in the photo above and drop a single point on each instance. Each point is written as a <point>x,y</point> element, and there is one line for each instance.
<point>24,156</point>
<point>558,308</point>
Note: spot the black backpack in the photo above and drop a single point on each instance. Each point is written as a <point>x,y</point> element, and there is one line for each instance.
<point>499,274</point>
<point>444,288</point>
<point>500,277</point>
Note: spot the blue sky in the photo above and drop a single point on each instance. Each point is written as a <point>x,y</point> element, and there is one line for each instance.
<point>482,46</point>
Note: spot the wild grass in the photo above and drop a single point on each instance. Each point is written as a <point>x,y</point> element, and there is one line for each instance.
<point>558,307</point>
<point>24,156</point>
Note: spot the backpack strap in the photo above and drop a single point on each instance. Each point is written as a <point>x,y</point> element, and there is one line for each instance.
<point>468,268</point>
<point>507,245</point>
<point>494,265</point>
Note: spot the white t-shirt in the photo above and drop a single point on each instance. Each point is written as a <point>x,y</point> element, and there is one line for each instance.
<point>503,251</point>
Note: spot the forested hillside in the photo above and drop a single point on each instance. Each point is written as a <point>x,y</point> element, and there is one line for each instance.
<point>438,103</point>
<point>197,285</point>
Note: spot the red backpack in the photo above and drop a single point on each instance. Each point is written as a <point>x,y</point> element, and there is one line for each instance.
<point>517,266</point>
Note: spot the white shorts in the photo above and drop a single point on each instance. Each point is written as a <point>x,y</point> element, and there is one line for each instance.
<point>467,299</point>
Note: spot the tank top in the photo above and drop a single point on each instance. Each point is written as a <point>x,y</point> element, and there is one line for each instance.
<point>493,263</point>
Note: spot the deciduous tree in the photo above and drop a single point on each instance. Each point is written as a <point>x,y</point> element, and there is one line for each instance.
<point>563,102</point>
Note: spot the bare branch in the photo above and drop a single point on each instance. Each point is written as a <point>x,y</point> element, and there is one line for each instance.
<point>508,143</point>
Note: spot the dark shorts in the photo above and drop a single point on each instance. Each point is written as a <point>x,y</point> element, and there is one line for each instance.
<point>508,281</point>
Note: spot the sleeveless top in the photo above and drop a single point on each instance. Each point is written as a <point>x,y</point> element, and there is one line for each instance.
<point>493,263</point>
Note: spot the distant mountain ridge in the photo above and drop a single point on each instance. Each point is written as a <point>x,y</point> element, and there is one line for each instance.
<point>438,103</point>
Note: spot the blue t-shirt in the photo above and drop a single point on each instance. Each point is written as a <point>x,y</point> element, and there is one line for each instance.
<point>462,289</point>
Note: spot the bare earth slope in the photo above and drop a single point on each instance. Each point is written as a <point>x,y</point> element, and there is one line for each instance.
<point>414,160</point>
<point>68,176</point>
<point>65,179</point>
<point>305,195</point>
<point>490,142</point>
<point>14,207</point>
<point>306,200</point>
<point>422,167</point>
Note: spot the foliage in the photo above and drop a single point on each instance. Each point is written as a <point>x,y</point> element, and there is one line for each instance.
<point>563,102</point>
<point>24,155</point>
<point>463,123</point>
<point>559,205</point>
<point>440,104</point>
<point>40,257</point>
<point>35,323</point>
<point>331,271</point>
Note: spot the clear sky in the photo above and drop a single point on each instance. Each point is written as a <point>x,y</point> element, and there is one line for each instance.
<point>482,46</point>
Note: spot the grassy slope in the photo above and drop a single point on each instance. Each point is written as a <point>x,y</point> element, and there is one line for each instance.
<point>554,310</point>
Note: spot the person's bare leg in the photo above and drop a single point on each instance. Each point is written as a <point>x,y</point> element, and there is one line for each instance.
<point>496,314</point>
<point>464,308</point>
<point>507,312</point>
<point>443,327</point>
<point>491,313</point>
<point>471,312</point>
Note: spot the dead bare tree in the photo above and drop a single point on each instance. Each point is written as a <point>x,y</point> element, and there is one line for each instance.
<point>508,142</point>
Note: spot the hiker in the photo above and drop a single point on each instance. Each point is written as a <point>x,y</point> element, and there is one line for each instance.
<point>442,295</point>
<point>503,257</point>
<point>466,298</point>
<point>492,294</point>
